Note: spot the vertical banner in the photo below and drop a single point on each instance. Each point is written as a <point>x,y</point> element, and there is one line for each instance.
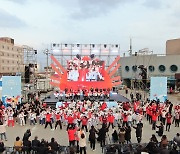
<point>158,88</point>
<point>11,90</point>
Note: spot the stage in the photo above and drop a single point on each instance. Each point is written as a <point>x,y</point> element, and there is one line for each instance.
<point>114,97</point>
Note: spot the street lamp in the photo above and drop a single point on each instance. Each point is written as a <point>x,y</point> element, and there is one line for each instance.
<point>46,52</point>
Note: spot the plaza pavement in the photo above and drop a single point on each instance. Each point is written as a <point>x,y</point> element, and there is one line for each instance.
<point>62,138</point>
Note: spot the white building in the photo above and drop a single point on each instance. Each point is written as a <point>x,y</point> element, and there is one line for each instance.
<point>156,65</point>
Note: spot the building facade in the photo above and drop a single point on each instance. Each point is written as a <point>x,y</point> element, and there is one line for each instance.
<point>173,46</point>
<point>155,65</point>
<point>11,57</point>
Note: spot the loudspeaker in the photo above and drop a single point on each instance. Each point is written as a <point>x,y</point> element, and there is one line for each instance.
<point>35,52</point>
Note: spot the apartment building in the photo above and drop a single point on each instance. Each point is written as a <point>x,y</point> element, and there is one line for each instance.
<point>11,57</point>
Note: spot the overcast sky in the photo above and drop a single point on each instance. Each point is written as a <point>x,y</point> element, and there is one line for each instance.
<point>38,23</point>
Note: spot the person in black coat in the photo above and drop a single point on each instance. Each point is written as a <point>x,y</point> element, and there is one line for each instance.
<point>27,134</point>
<point>128,134</point>
<point>26,146</point>
<point>35,144</point>
<point>115,136</point>
<point>161,129</point>
<point>139,131</point>
<point>43,147</point>
<point>53,144</point>
<point>92,137</point>
<point>102,135</point>
<point>2,148</point>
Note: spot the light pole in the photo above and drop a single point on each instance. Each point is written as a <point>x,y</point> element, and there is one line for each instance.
<point>46,52</point>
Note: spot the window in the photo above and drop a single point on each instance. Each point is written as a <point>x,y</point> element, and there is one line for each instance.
<point>134,68</point>
<point>127,68</point>
<point>8,48</point>
<point>162,68</point>
<point>151,68</point>
<point>3,46</point>
<point>173,68</point>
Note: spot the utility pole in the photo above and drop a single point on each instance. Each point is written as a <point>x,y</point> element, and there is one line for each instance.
<point>46,52</point>
<point>130,47</point>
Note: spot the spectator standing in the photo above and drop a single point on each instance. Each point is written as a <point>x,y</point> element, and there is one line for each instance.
<point>102,135</point>
<point>139,131</point>
<point>27,135</point>
<point>3,131</point>
<point>128,134</point>
<point>82,143</point>
<point>176,139</point>
<point>115,136</point>
<point>161,129</point>
<point>92,137</point>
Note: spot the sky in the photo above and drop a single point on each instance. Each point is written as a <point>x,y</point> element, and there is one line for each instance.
<point>38,23</point>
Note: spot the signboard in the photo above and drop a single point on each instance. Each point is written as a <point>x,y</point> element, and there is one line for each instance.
<point>11,89</point>
<point>158,89</point>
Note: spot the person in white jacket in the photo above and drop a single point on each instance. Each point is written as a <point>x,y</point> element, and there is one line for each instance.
<point>82,142</point>
<point>21,118</point>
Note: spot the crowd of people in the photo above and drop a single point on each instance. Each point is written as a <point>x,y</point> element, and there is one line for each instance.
<point>92,94</point>
<point>92,120</point>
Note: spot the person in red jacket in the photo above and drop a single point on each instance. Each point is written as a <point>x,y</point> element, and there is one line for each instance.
<point>48,120</point>
<point>71,134</point>
<point>168,121</point>
<point>103,106</point>
<point>125,119</point>
<point>58,120</point>
<point>70,120</point>
<point>111,120</point>
<point>154,119</point>
<point>104,120</point>
<point>84,121</point>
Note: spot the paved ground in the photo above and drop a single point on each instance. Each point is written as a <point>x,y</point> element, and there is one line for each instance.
<point>61,135</point>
